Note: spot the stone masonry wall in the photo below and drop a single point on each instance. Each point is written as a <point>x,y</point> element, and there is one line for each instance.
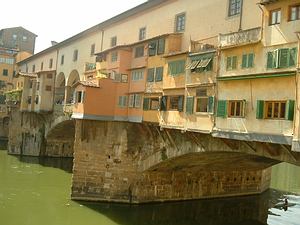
<point>108,158</point>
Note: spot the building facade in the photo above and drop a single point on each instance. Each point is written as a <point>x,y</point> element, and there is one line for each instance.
<point>18,38</point>
<point>210,78</point>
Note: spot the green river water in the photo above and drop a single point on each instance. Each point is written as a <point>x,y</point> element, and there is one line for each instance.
<point>36,191</point>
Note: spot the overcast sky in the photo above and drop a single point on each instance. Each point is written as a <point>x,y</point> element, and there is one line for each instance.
<point>59,19</point>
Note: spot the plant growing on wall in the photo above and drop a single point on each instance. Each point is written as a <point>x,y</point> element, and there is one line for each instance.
<point>13,96</point>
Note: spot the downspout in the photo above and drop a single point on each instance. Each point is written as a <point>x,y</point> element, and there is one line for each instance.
<point>56,65</point>
<point>262,21</point>
<point>102,37</point>
<point>295,122</point>
<point>241,16</point>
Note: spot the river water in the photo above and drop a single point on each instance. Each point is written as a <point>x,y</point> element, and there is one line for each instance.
<point>37,192</point>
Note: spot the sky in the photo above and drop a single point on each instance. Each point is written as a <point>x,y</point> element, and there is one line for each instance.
<point>57,20</point>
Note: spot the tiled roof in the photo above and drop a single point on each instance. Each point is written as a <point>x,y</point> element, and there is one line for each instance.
<point>265,2</point>
<point>87,83</point>
<point>31,75</point>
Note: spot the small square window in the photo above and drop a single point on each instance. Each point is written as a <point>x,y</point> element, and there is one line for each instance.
<point>75,55</point>
<point>62,60</point>
<point>234,7</point>
<point>180,22</point>
<point>92,49</point>
<point>142,33</point>
<point>294,12</point>
<point>139,51</point>
<point>114,56</point>
<point>50,63</point>
<point>24,38</point>
<point>5,72</point>
<point>15,37</point>
<point>236,108</point>
<point>275,17</point>
<point>113,41</point>
<point>48,88</point>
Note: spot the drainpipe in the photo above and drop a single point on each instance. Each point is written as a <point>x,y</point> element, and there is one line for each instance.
<point>296,121</point>
<point>54,89</point>
<point>262,21</point>
<point>102,37</point>
<point>241,16</point>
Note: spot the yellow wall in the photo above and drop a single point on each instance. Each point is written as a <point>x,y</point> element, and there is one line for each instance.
<point>252,90</point>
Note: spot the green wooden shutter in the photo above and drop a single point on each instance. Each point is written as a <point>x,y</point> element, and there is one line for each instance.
<point>270,60</point>
<point>120,101</point>
<point>150,75</point>
<point>222,108</point>
<point>146,104</point>
<point>250,60</point>
<point>171,68</point>
<point>234,62</point>
<point>283,57</point>
<point>289,111</point>
<point>124,101</point>
<point>161,46</point>
<point>211,104</point>
<point>228,63</point>
<point>159,74</point>
<point>180,103</point>
<point>260,109</point>
<point>189,108</point>
<point>245,61</point>
<point>181,66</point>
<point>163,103</point>
<point>293,57</point>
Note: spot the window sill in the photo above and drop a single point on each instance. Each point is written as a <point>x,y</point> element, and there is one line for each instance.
<point>274,24</point>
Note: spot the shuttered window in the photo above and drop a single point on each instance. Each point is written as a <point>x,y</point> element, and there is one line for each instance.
<point>122,101</point>
<point>231,62</point>
<point>161,46</point>
<point>189,108</point>
<point>236,108</point>
<point>152,48</point>
<point>151,104</point>
<point>163,103</point>
<point>282,58</point>
<point>222,108</point>
<point>248,61</point>
<point>176,67</point>
<point>260,109</point>
<point>150,75</point>
<point>211,104</point>
<point>290,107</point>
<point>159,74</point>
<point>275,109</point>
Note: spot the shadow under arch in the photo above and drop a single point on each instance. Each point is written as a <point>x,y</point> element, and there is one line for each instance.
<point>72,79</point>
<point>60,139</point>
<point>60,84</point>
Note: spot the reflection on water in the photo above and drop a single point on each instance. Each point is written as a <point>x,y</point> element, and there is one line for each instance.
<point>36,191</point>
<point>65,164</point>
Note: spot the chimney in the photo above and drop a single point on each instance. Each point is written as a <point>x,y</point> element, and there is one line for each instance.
<point>53,43</point>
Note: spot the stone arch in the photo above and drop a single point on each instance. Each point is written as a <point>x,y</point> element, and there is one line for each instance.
<point>72,79</point>
<point>60,88</point>
<point>59,137</point>
<point>60,80</point>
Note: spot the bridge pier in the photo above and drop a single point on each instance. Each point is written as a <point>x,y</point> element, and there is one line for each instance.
<point>138,163</point>
<point>37,134</point>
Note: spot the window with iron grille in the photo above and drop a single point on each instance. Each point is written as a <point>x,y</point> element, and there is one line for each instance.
<point>180,22</point>
<point>234,7</point>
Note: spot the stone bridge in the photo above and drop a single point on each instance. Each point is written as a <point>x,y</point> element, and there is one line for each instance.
<point>134,163</point>
<point>37,134</point>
